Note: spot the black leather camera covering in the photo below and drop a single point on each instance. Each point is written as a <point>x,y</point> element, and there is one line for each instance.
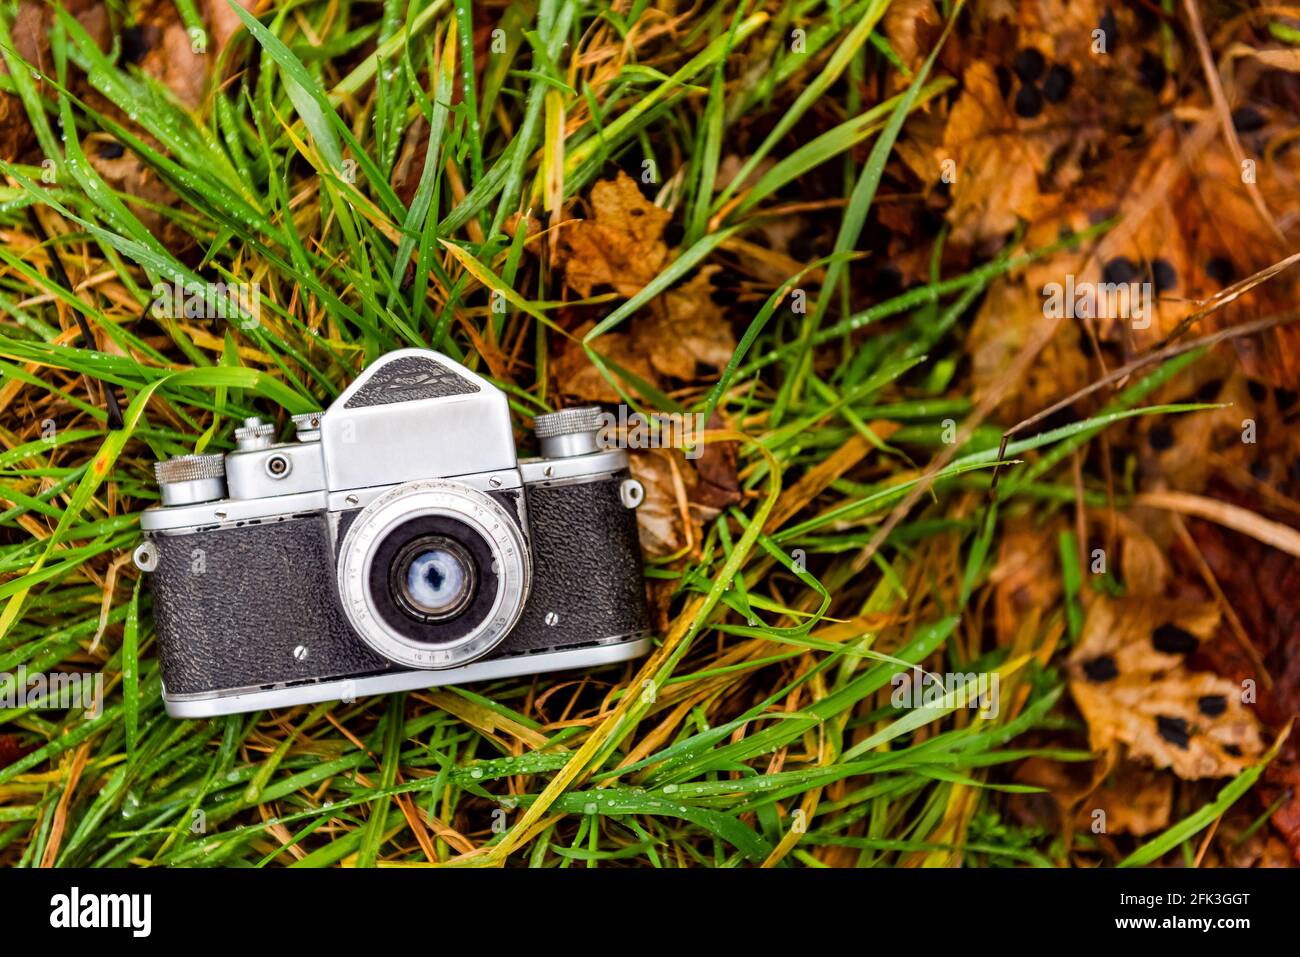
<point>233,606</point>
<point>586,567</point>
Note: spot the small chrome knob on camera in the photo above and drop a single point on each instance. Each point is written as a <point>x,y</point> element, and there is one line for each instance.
<point>569,431</point>
<point>307,426</point>
<point>255,434</point>
<point>187,479</point>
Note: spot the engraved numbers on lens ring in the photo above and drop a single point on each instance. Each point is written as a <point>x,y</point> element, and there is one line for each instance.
<point>433,497</point>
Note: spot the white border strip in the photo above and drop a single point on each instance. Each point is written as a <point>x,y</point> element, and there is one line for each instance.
<point>195,706</point>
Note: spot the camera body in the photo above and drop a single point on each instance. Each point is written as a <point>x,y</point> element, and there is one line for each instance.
<point>398,544</point>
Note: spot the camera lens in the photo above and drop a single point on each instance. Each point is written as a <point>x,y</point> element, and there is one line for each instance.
<point>434,574</point>
<point>433,578</point>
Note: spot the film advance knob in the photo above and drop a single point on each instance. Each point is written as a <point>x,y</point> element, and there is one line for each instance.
<point>569,431</point>
<point>187,479</point>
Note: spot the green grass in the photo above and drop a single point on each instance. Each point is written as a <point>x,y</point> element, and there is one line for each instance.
<point>769,735</point>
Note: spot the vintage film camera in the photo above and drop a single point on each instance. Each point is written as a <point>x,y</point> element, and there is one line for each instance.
<point>398,544</point>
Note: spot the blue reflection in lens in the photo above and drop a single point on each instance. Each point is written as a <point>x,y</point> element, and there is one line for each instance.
<point>436,581</point>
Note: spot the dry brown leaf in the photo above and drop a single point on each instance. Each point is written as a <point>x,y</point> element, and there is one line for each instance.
<point>1065,783</point>
<point>169,53</point>
<point>1143,561</point>
<point>729,168</point>
<point>1010,316</point>
<point>621,246</point>
<point>716,467</point>
<point>1279,536</point>
<point>996,166</point>
<point>1130,681</point>
<point>1135,800</point>
<point>1026,580</point>
<point>682,494</point>
<point>685,329</point>
<point>1260,849</point>
<point>575,376</point>
<point>1182,451</point>
<point>912,26</point>
<point>223,22</point>
<point>659,516</point>
<point>31,35</point>
<point>125,172</point>
<point>16,136</point>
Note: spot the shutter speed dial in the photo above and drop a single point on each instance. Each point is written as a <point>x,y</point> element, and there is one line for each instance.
<point>569,431</point>
<point>188,479</point>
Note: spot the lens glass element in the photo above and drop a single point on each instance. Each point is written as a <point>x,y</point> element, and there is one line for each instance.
<point>434,578</point>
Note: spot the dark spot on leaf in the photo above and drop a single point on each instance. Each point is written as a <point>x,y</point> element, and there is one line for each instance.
<point>1174,730</point>
<point>1220,270</point>
<point>1160,437</point>
<point>1152,72</point>
<point>1101,668</point>
<point>723,297</point>
<point>887,283</point>
<point>1060,419</point>
<point>930,221</point>
<point>133,45</point>
<point>1056,86</point>
<point>805,245</point>
<point>1164,275</point>
<point>1029,101</point>
<point>878,238</point>
<point>1212,705</point>
<point>1247,119</point>
<point>1173,640</point>
<point>1004,80</point>
<point>1085,343</point>
<point>1029,64</point>
<point>1119,270</point>
<point>1107,26</point>
<point>1209,391</point>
